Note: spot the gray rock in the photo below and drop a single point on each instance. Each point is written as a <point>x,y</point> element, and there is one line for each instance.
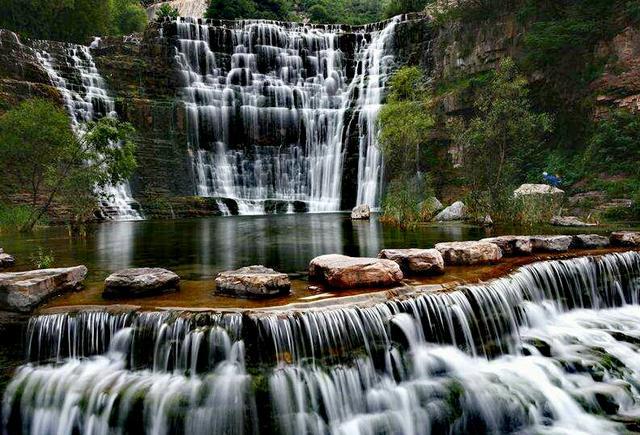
<point>551,243</point>
<point>538,189</point>
<point>253,281</point>
<point>6,260</point>
<point>512,245</point>
<point>341,271</point>
<point>469,253</point>
<point>424,261</point>
<point>586,241</point>
<point>455,212</point>
<point>143,281</point>
<point>24,291</point>
<point>569,221</point>
<point>429,207</point>
<point>625,238</point>
<point>361,212</point>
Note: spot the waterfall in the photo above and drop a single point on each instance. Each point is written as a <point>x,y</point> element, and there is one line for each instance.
<point>73,72</point>
<point>266,105</point>
<point>551,348</point>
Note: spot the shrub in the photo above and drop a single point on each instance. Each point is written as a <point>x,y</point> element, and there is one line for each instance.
<point>166,11</point>
<point>42,259</point>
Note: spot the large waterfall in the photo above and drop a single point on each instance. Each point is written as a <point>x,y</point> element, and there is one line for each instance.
<point>553,348</point>
<point>268,105</point>
<point>73,72</point>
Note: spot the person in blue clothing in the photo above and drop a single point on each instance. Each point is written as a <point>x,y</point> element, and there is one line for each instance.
<point>552,180</point>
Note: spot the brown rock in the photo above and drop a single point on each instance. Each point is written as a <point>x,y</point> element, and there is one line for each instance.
<point>625,238</point>
<point>425,261</point>
<point>144,281</point>
<point>512,245</point>
<point>469,253</point>
<point>587,241</point>
<point>253,281</point>
<point>342,271</point>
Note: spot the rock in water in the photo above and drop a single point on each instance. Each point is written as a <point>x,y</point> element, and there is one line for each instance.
<point>144,281</point>
<point>455,212</point>
<point>6,260</point>
<point>24,291</point>
<point>551,243</point>
<point>625,238</point>
<point>589,241</point>
<point>341,271</point>
<point>253,281</point>
<point>569,221</point>
<point>425,261</point>
<point>361,212</point>
<point>538,189</point>
<point>469,253</point>
<point>512,245</point>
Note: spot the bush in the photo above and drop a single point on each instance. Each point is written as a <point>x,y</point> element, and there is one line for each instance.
<point>166,11</point>
<point>15,217</point>
<point>403,203</point>
<point>41,259</point>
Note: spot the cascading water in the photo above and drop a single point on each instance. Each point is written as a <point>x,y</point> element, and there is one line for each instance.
<point>266,106</point>
<point>553,348</point>
<point>73,72</point>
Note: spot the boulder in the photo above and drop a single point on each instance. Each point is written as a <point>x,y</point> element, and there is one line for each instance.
<point>143,281</point>
<point>512,245</point>
<point>587,241</point>
<point>469,253</point>
<point>253,281</point>
<point>341,271</point>
<point>551,243</point>
<point>625,238</point>
<point>24,291</point>
<point>429,207</point>
<point>425,261</point>
<point>569,221</point>
<point>455,212</point>
<point>6,260</point>
<point>361,212</point>
<point>538,189</point>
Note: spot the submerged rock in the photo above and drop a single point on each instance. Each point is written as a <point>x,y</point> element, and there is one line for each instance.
<point>24,291</point>
<point>569,221</point>
<point>551,243</point>
<point>625,238</point>
<point>6,260</point>
<point>589,241</point>
<point>253,281</point>
<point>469,253</point>
<point>425,261</point>
<point>143,281</point>
<point>361,212</point>
<point>538,189</point>
<point>455,212</point>
<point>342,271</point>
<point>512,245</point>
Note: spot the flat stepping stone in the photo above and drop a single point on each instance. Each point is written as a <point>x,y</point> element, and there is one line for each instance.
<point>142,281</point>
<point>625,238</point>
<point>551,243</point>
<point>24,291</point>
<point>587,241</point>
<point>341,271</point>
<point>419,261</point>
<point>469,253</point>
<point>512,245</point>
<point>253,282</point>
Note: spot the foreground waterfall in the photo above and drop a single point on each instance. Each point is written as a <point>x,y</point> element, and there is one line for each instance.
<point>552,348</point>
<point>267,105</point>
<point>73,72</point>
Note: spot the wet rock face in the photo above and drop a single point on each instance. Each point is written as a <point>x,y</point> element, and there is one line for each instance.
<point>625,238</point>
<point>24,291</point>
<point>361,212</point>
<point>341,271</point>
<point>586,241</point>
<point>6,260</point>
<point>419,261</point>
<point>469,253</point>
<point>455,212</point>
<point>145,281</point>
<point>551,243</point>
<point>253,282</point>
<point>512,245</point>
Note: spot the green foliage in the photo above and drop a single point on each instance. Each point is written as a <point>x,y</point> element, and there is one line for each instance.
<point>14,217</point>
<point>404,201</point>
<point>243,9</point>
<point>40,155</point>
<point>166,11</point>
<point>71,20</point>
<point>500,143</point>
<point>397,7</point>
<point>42,259</point>
<point>319,13</point>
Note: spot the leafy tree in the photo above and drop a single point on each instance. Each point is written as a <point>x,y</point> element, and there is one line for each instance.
<point>397,7</point>
<point>226,10</point>
<point>40,155</point>
<point>128,16</point>
<point>167,11</point>
<point>318,13</point>
<point>501,142</point>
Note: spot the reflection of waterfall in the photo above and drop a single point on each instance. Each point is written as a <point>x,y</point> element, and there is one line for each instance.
<point>73,72</point>
<point>551,349</point>
<point>115,245</point>
<point>266,104</point>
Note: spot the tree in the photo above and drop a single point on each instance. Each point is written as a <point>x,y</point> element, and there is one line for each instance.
<point>226,10</point>
<point>127,16</point>
<point>41,156</point>
<point>167,11</point>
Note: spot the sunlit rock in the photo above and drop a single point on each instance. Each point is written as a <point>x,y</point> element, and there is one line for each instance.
<point>144,281</point>
<point>551,243</point>
<point>6,260</point>
<point>569,221</point>
<point>625,238</point>
<point>361,212</point>
<point>455,212</point>
<point>424,261</point>
<point>538,189</point>
<point>342,271</point>
<point>253,281</point>
<point>512,245</point>
<point>589,241</point>
<point>24,291</point>
<point>469,253</point>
